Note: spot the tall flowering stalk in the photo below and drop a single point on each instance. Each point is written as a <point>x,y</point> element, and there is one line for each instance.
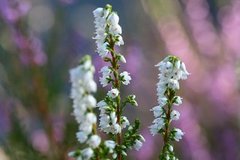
<point>172,69</point>
<point>83,86</point>
<point>108,35</point>
<point>84,104</point>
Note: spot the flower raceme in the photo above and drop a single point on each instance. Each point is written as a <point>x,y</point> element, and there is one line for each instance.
<point>172,69</point>
<point>108,35</point>
<point>106,25</point>
<point>83,86</point>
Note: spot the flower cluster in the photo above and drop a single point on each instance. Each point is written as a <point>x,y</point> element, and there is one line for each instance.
<point>83,103</point>
<point>106,24</point>
<point>107,36</point>
<point>171,71</point>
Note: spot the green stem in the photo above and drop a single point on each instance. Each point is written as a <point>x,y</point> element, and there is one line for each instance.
<point>116,84</point>
<point>166,140</point>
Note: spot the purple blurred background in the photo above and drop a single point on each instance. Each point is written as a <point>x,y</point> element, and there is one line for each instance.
<point>41,40</point>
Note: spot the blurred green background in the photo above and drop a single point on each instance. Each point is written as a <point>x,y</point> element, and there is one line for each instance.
<point>40,40</point>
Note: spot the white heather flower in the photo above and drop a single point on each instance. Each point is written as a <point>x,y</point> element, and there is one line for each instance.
<point>90,101</point>
<point>137,145</point>
<point>105,70</point>
<point>94,141</point>
<point>86,127</point>
<point>174,115</point>
<point>177,100</point>
<point>113,18</point>
<point>119,43</point>
<point>157,111</point>
<point>91,86</point>
<point>126,77</point>
<point>122,58</point>
<point>82,136</point>
<point>173,84</point>
<point>108,123</point>
<point>98,12</point>
<point>91,118</point>
<point>178,134</point>
<point>101,104</point>
<point>125,122</point>
<point>106,74</point>
<point>104,81</point>
<point>185,73</point>
<point>102,49</point>
<point>116,128</point>
<point>158,124</point>
<point>110,144</point>
<point>113,93</point>
<point>115,29</point>
<point>162,101</point>
<point>87,154</point>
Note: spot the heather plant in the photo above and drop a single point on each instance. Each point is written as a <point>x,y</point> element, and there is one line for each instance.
<point>172,69</point>
<point>40,41</point>
<point>112,122</point>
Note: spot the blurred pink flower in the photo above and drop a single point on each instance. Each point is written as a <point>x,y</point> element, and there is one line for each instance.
<point>40,141</point>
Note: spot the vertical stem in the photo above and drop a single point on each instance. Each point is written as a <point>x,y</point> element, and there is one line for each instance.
<point>170,95</point>
<point>116,84</point>
<point>168,117</point>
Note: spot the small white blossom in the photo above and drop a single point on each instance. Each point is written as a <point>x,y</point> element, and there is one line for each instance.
<point>158,124</point>
<point>113,19</point>
<point>110,144</point>
<point>185,73</point>
<point>177,100</point>
<point>122,58</point>
<point>87,153</point>
<point>125,122</point>
<point>90,101</point>
<point>86,127</point>
<point>119,43</point>
<point>173,84</point>
<point>98,12</point>
<point>137,145</point>
<point>82,136</point>
<point>113,93</point>
<point>126,77</point>
<point>162,101</point>
<point>94,141</point>
<point>101,104</point>
<point>174,115</point>
<point>106,74</point>
<point>178,134</point>
<point>108,123</point>
<point>104,81</point>
<point>91,118</point>
<point>157,111</point>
